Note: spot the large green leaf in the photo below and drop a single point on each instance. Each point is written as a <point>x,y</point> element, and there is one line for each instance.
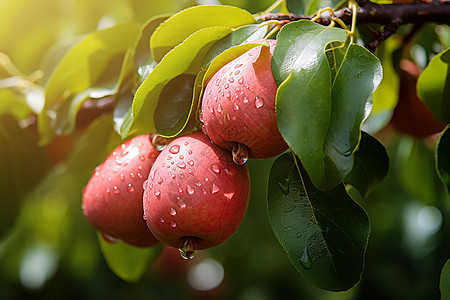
<point>181,25</point>
<point>23,165</point>
<point>443,158</point>
<point>301,70</point>
<point>186,58</point>
<point>90,69</point>
<point>128,262</point>
<point>433,86</point>
<point>370,167</point>
<point>325,234</point>
<point>444,284</point>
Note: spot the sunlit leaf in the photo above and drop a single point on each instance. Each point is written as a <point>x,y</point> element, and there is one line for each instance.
<point>128,262</point>
<point>186,58</point>
<point>181,25</point>
<point>324,234</point>
<point>91,66</point>
<point>433,86</point>
<point>370,166</point>
<point>444,284</point>
<point>23,165</point>
<point>443,158</point>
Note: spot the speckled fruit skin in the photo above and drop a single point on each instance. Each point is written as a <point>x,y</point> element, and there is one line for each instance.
<point>195,190</point>
<point>112,199</point>
<point>238,104</point>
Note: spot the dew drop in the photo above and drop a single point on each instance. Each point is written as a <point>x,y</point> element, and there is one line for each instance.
<point>228,95</point>
<point>180,190</point>
<point>190,189</point>
<point>159,142</point>
<point>235,107</point>
<point>173,176</point>
<point>97,173</point>
<point>173,211</point>
<point>144,185</point>
<point>122,177</point>
<point>141,157</point>
<point>258,102</point>
<point>174,149</point>
<point>191,162</point>
<point>116,190</point>
<point>130,188</point>
<point>237,72</point>
<point>204,130</point>
<point>245,100</point>
<point>181,165</point>
<point>226,86</point>
<point>215,188</point>
<point>215,168</point>
<point>109,238</point>
<point>160,180</point>
<point>188,248</point>
<point>132,175</point>
<point>190,152</point>
<point>237,66</point>
<point>231,79</point>
<point>181,157</point>
<point>157,193</point>
<point>219,108</point>
<point>108,190</point>
<point>173,224</point>
<point>305,260</point>
<point>139,175</point>
<point>240,154</point>
<point>180,202</point>
<point>241,80</point>
<point>161,220</point>
<point>200,117</point>
<point>198,183</point>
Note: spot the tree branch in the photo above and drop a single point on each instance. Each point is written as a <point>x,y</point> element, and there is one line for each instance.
<point>392,16</point>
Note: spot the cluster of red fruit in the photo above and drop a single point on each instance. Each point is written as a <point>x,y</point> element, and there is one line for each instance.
<point>194,193</point>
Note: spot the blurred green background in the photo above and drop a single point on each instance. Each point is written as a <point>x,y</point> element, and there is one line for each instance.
<point>50,251</point>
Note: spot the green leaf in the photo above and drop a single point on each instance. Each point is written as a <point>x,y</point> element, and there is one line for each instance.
<point>324,234</point>
<point>181,25</point>
<point>443,158</point>
<point>301,70</point>
<point>91,66</point>
<point>23,165</point>
<point>444,284</point>
<point>128,262</point>
<point>315,5</point>
<point>433,86</point>
<point>370,167</point>
<point>356,79</point>
<point>186,58</point>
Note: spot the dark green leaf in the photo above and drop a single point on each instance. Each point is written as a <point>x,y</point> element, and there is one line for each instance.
<point>433,86</point>
<point>444,284</point>
<point>443,158</point>
<point>181,25</point>
<point>356,79</point>
<point>92,66</point>
<point>128,262</point>
<point>23,165</point>
<point>370,166</point>
<point>324,233</point>
<point>186,58</point>
<point>301,70</point>
<point>297,6</point>
<point>315,5</point>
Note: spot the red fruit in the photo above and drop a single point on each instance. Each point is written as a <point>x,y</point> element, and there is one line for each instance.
<point>112,199</point>
<point>195,194</point>
<point>412,116</point>
<point>238,104</point>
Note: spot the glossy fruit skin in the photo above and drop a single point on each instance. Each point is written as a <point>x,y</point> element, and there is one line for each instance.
<point>238,104</point>
<point>112,199</point>
<point>412,116</point>
<point>195,190</point>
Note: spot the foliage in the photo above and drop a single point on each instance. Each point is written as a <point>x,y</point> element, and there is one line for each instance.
<point>77,78</point>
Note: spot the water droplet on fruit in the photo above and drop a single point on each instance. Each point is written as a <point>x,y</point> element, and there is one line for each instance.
<point>258,102</point>
<point>173,211</point>
<point>198,183</point>
<point>226,86</point>
<point>186,143</point>
<point>237,66</point>
<point>161,220</point>
<point>228,117</point>
<point>132,175</point>
<point>157,193</point>
<point>215,168</point>
<point>237,73</point>
<point>122,177</point>
<point>219,108</point>
<point>305,260</point>
<point>241,80</point>
<point>235,107</point>
<point>116,190</point>
<point>209,92</point>
<point>228,95</point>
<point>240,154</point>
<point>159,142</point>
<point>215,188</point>
<point>284,186</point>
<point>144,185</point>
<point>160,180</point>
<point>204,130</point>
<point>180,190</point>
<point>109,238</point>
<point>181,165</point>
<point>188,248</point>
<point>142,157</point>
<point>173,176</point>
<point>130,188</point>
<point>190,189</point>
<point>245,100</point>
<point>231,79</point>
<point>180,202</point>
<point>191,162</point>
<point>200,116</point>
<point>217,81</point>
<point>174,149</point>
<point>173,224</point>
<point>139,175</point>
<point>97,173</point>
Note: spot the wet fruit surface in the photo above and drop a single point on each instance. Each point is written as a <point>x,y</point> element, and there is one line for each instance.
<point>112,199</point>
<point>195,191</point>
<point>238,104</point>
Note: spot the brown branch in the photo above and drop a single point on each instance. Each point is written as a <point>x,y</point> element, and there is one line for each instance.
<point>392,16</point>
